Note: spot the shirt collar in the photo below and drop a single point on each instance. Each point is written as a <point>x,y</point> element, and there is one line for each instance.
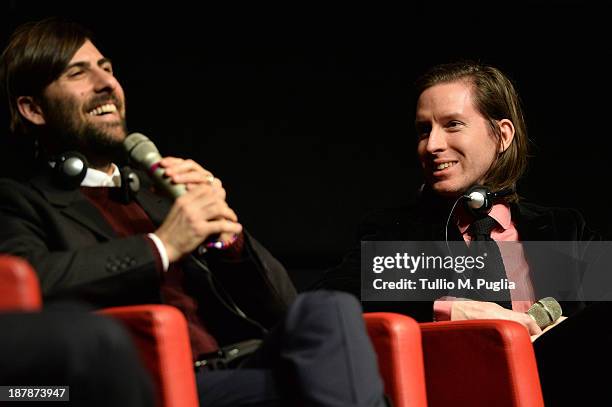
<point>97,178</point>
<point>500,212</point>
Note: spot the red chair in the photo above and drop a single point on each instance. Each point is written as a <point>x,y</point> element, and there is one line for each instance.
<point>160,334</point>
<point>159,331</point>
<point>397,341</point>
<point>19,289</point>
<point>480,363</point>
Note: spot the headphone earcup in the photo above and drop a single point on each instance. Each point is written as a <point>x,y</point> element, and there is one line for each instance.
<point>70,169</point>
<point>130,184</point>
<point>480,201</point>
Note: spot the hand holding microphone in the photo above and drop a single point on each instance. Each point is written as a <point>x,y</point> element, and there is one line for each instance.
<point>199,212</point>
<point>541,315</point>
<point>144,153</point>
<point>546,313</point>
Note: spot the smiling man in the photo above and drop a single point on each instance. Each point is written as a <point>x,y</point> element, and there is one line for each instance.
<point>455,145</point>
<point>85,106</point>
<point>470,131</point>
<point>90,236</point>
<point>471,136</point>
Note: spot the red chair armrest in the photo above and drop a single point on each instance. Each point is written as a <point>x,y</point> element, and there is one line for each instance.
<point>160,335</point>
<point>480,363</point>
<point>397,341</point>
<point>19,288</point>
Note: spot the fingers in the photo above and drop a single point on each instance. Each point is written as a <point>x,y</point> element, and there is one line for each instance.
<point>219,210</point>
<point>195,178</point>
<point>196,181</point>
<point>174,164</point>
<point>187,172</point>
<point>521,318</point>
<point>169,161</point>
<point>228,237</point>
<point>203,228</point>
<point>206,203</point>
<point>203,195</point>
<point>220,226</point>
<point>530,324</point>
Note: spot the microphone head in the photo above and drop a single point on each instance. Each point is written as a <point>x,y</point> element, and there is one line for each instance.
<point>144,154</point>
<point>545,312</point>
<point>141,150</point>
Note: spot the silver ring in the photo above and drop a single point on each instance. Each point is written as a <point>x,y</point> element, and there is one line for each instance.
<point>210,179</point>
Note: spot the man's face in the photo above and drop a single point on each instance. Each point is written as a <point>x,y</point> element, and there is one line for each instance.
<point>456,146</point>
<point>85,106</point>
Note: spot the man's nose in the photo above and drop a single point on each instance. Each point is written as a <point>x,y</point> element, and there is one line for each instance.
<point>436,141</point>
<point>104,81</point>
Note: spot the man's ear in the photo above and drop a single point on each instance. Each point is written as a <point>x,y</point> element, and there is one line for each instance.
<point>30,110</point>
<point>506,130</point>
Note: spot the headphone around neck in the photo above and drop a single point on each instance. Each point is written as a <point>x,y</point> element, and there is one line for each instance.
<point>70,168</point>
<point>478,199</point>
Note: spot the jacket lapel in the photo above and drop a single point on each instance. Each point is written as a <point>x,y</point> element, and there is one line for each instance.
<point>531,225</point>
<point>543,259</point>
<point>74,205</point>
<point>156,206</point>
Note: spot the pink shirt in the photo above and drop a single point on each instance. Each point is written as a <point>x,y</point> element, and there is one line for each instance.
<point>513,256</point>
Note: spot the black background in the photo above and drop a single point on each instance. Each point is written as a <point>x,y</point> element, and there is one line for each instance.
<point>306,112</point>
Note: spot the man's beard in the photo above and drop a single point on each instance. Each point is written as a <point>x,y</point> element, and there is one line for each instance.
<point>100,143</point>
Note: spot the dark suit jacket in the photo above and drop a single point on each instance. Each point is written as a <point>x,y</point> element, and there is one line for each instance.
<point>425,221</point>
<point>77,255</point>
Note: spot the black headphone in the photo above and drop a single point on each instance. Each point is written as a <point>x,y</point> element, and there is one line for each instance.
<point>478,199</point>
<point>69,170</point>
<point>130,184</point>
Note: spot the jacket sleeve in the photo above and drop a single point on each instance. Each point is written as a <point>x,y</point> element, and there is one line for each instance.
<point>256,281</point>
<point>347,277</point>
<point>115,272</point>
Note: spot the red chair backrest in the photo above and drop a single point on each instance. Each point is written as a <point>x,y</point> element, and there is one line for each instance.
<point>19,288</point>
<point>397,341</point>
<point>480,363</point>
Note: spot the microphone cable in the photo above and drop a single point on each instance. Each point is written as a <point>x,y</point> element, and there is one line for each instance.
<point>230,304</point>
<point>448,222</point>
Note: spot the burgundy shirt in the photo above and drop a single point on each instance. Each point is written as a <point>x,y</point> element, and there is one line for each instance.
<point>130,219</point>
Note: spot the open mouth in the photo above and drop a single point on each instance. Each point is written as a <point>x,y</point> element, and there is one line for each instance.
<point>102,110</point>
<point>443,166</point>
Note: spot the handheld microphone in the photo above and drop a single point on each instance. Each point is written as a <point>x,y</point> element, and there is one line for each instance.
<point>143,152</point>
<point>545,312</point>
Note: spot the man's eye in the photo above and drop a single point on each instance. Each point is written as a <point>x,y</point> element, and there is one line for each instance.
<point>454,123</point>
<point>108,69</point>
<point>423,131</point>
<point>74,74</point>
